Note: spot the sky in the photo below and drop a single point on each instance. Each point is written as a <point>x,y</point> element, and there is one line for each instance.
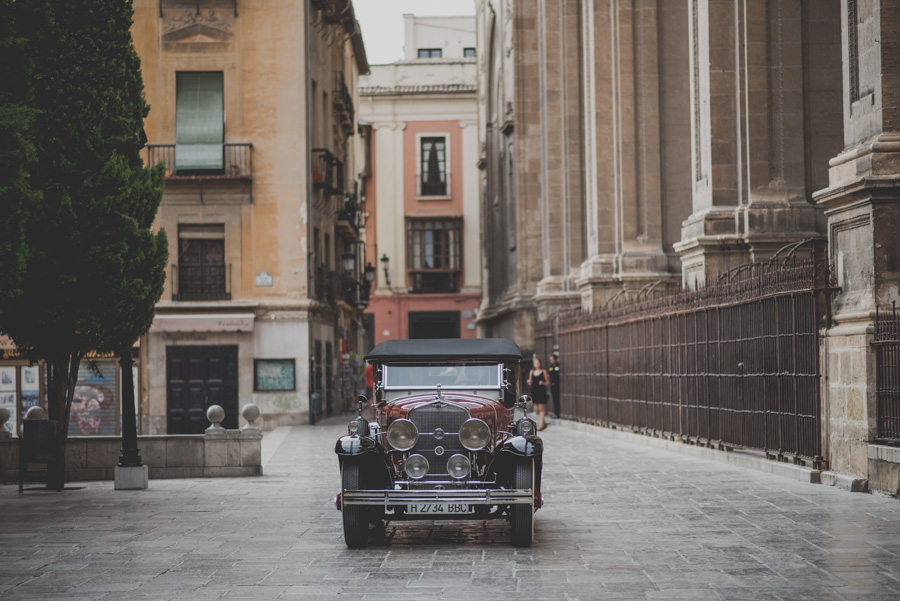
<point>381,22</point>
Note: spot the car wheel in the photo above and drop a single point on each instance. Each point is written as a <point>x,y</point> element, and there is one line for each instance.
<point>356,525</point>
<point>522,518</point>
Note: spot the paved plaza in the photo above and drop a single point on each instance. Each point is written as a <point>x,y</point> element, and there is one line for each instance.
<point>622,521</point>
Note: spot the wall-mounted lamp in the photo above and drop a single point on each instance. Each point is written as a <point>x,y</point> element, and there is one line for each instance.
<point>369,272</point>
<point>384,264</point>
<point>349,259</point>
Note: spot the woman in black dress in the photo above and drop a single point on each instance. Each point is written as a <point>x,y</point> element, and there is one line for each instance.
<point>538,380</point>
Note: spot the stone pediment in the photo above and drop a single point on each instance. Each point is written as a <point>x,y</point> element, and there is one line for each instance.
<point>196,27</point>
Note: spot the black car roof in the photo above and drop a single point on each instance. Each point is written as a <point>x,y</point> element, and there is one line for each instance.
<point>446,348</point>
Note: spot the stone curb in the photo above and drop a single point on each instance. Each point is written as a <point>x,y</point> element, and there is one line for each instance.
<point>846,482</point>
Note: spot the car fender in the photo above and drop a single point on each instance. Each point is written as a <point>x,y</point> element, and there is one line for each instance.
<point>515,449</point>
<point>352,446</point>
<point>523,446</point>
<point>369,454</point>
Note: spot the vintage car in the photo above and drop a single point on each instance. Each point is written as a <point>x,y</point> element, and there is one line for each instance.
<point>446,443</point>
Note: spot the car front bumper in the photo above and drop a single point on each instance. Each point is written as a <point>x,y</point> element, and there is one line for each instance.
<point>387,497</point>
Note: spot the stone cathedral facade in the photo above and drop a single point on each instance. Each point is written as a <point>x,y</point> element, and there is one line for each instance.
<point>659,143</point>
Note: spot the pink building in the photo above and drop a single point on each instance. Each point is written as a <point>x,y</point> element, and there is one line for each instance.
<point>423,225</point>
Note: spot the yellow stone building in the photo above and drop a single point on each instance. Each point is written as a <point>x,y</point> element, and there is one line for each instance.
<point>252,110</point>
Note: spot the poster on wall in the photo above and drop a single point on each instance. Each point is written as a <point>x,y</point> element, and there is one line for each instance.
<point>8,401</point>
<point>274,374</point>
<point>8,378</point>
<point>30,385</point>
<point>95,402</point>
<point>31,375</point>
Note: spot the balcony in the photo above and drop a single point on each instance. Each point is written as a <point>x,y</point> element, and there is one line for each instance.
<point>201,282</point>
<point>343,104</point>
<point>434,280</point>
<point>327,171</point>
<point>237,163</point>
<point>348,216</point>
<point>331,286</point>
<point>233,182</point>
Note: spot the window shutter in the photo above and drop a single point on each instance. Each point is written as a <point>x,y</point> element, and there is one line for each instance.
<point>199,121</point>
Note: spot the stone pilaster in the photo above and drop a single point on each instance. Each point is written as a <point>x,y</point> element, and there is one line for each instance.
<point>762,86</point>
<point>624,216</point>
<point>862,206</point>
<point>561,118</point>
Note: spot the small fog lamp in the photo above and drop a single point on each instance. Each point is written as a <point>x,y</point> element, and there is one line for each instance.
<point>458,466</point>
<point>416,467</point>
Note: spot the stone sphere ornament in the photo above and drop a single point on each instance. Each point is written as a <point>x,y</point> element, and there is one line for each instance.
<point>36,413</point>
<point>250,412</point>
<point>215,414</point>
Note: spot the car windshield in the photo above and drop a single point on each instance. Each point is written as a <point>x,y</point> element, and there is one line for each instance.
<point>456,375</point>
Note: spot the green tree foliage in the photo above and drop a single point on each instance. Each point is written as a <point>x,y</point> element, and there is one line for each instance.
<point>16,155</point>
<point>92,269</point>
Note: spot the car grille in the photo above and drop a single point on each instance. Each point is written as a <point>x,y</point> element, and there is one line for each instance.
<point>427,419</point>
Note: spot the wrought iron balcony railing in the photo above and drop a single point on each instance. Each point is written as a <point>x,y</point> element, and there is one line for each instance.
<point>237,163</point>
<point>327,171</point>
<point>201,282</point>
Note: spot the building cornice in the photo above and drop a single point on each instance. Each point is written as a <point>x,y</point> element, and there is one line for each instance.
<point>444,88</point>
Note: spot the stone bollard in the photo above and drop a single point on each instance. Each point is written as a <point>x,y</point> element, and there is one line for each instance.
<point>250,412</point>
<point>4,417</point>
<point>36,413</point>
<point>215,414</point>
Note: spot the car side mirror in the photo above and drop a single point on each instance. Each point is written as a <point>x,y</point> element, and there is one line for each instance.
<point>523,401</point>
<point>361,401</point>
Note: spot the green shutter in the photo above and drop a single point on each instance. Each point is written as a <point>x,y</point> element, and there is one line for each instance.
<point>199,121</point>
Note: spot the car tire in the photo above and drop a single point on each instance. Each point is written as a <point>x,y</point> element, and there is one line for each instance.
<point>356,524</point>
<point>522,516</point>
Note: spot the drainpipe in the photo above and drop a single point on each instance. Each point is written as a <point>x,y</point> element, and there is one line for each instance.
<point>309,212</point>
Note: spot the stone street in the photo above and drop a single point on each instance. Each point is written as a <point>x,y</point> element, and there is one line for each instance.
<point>621,521</point>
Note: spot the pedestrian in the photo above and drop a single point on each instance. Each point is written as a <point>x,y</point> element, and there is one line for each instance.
<point>553,370</point>
<point>538,380</point>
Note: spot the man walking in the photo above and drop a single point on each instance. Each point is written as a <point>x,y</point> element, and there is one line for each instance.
<point>553,370</point>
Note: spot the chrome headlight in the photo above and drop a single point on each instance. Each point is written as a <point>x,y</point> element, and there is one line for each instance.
<point>474,434</point>
<point>458,466</point>
<point>402,434</point>
<point>358,427</point>
<point>416,467</point>
<point>526,426</point>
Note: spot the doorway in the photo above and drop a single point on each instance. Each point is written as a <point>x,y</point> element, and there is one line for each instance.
<point>434,324</point>
<point>197,377</point>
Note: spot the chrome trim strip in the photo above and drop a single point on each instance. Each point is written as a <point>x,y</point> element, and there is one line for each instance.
<point>514,496</point>
<point>440,402</point>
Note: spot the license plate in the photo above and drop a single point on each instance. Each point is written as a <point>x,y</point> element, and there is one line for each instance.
<point>439,508</point>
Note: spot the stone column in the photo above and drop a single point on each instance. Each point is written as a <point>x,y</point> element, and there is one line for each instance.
<point>471,211</point>
<point>862,205</point>
<point>391,223</point>
<point>622,150</point>
<point>762,91</point>
<point>561,118</point>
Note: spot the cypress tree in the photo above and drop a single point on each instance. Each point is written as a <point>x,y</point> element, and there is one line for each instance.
<point>93,269</point>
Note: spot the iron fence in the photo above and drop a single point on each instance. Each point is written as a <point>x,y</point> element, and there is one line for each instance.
<point>887,389</point>
<point>733,365</point>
